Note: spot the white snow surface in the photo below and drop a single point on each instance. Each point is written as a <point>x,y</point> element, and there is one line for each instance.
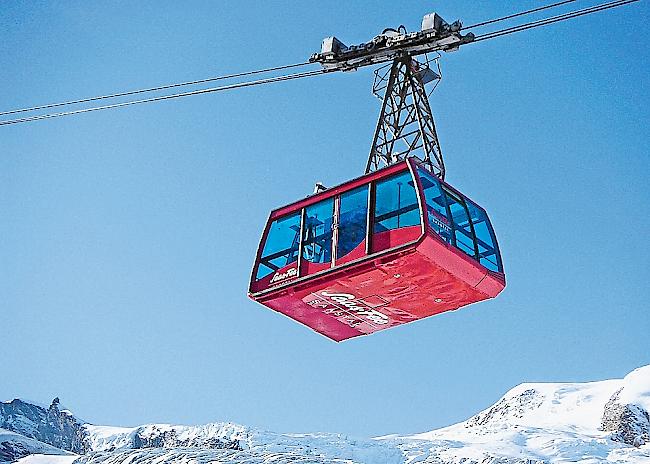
<point>636,388</point>
<point>47,459</point>
<point>8,438</point>
<point>532,423</point>
<point>317,446</point>
<point>541,422</point>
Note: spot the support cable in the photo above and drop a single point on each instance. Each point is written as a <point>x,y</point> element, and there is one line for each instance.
<point>478,38</point>
<point>552,19</point>
<point>516,15</point>
<point>153,89</point>
<point>238,85</point>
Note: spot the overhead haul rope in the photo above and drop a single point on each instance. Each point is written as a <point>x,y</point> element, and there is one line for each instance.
<point>154,89</point>
<point>486,36</point>
<point>515,15</point>
<point>238,85</point>
<point>552,19</point>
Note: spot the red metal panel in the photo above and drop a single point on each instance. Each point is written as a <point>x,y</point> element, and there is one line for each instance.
<point>418,275</point>
<point>358,252</point>
<point>452,259</point>
<point>492,284</point>
<point>307,267</point>
<point>395,237</point>
<point>418,282</point>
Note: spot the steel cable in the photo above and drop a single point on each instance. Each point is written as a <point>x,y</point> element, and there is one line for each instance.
<point>515,15</point>
<point>238,85</point>
<point>479,38</point>
<point>553,19</point>
<point>153,89</point>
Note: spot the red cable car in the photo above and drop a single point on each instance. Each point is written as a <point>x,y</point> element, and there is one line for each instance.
<point>390,247</point>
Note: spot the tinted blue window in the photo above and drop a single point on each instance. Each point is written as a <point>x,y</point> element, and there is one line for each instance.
<point>463,237</point>
<point>281,246</point>
<point>436,205</point>
<point>317,235</point>
<point>396,203</point>
<point>487,249</point>
<point>352,220</point>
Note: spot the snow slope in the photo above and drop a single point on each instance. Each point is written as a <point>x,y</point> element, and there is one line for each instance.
<point>47,459</point>
<point>228,436</point>
<point>595,422</point>
<point>14,446</point>
<point>542,422</point>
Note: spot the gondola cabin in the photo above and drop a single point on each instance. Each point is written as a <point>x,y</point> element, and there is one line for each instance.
<point>388,248</point>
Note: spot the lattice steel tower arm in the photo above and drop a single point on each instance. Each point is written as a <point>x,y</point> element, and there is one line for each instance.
<point>406,126</point>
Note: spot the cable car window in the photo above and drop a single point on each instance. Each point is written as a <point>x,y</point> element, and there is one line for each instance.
<point>436,205</point>
<point>463,236</point>
<point>487,249</point>
<point>281,246</point>
<point>352,220</point>
<point>317,233</point>
<point>396,203</point>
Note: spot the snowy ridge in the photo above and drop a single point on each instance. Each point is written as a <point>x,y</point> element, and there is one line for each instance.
<point>14,446</point>
<point>216,435</point>
<point>49,425</point>
<point>543,422</point>
<point>533,423</point>
<point>229,436</point>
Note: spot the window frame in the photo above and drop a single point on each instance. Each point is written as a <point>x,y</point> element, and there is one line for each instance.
<point>334,200</point>
<point>407,166</point>
<point>337,220</point>
<point>460,199</point>
<point>263,241</point>
<point>425,211</point>
<point>493,236</point>
<point>419,198</point>
<point>463,200</point>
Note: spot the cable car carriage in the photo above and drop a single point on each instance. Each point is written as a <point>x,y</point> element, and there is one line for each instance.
<point>397,244</point>
<point>390,247</point>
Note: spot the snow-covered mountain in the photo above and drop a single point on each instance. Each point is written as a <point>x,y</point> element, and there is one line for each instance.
<point>14,446</point>
<point>53,426</point>
<point>533,423</point>
<point>592,422</point>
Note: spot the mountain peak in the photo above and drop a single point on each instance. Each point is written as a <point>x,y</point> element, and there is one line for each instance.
<point>55,403</point>
<point>534,423</point>
<point>51,426</point>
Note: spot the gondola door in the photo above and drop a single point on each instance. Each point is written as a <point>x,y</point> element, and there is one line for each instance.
<point>351,225</point>
<point>317,241</point>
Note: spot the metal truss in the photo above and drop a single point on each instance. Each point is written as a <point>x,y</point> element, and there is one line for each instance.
<point>406,126</point>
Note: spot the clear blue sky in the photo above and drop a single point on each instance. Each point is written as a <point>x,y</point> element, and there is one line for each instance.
<point>127,236</point>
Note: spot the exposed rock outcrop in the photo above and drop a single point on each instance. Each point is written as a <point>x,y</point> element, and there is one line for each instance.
<point>52,426</point>
<point>629,423</point>
<point>508,408</point>
<point>154,437</point>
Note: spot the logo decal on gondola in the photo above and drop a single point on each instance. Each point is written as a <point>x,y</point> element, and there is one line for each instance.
<point>441,225</point>
<point>280,276</point>
<point>355,306</point>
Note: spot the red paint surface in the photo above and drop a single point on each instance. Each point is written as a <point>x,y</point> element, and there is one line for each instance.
<point>358,252</point>
<point>418,277</point>
<point>392,238</point>
<point>423,279</point>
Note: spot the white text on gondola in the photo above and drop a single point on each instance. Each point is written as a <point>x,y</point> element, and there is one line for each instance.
<point>350,303</point>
